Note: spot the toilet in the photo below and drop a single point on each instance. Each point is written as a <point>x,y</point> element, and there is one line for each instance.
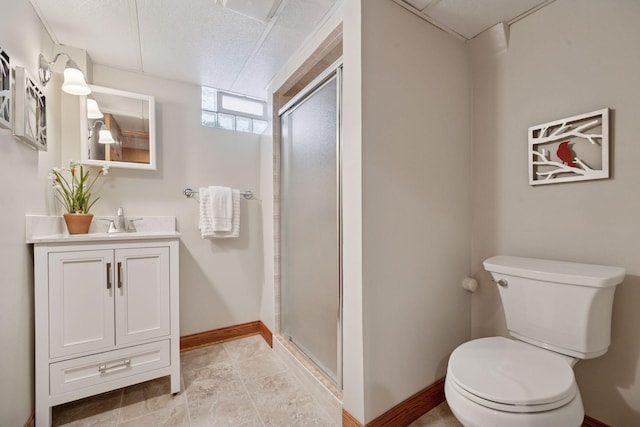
<point>557,313</point>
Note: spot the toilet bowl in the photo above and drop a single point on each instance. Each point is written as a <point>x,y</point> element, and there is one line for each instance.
<point>501,382</point>
<point>557,312</point>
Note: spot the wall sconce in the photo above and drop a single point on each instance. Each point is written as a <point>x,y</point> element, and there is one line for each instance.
<point>104,135</point>
<point>93,110</point>
<point>74,82</point>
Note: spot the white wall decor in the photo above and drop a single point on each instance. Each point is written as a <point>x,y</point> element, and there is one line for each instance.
<point>5,90</point>
<point>571,149</point>
<point>29,117</point>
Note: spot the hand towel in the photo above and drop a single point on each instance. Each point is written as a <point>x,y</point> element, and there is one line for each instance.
<point>206,217</point>
<point>221,208</point>
<point>206,228</point>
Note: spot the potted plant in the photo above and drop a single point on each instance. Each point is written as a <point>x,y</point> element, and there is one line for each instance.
<point>73,189</point>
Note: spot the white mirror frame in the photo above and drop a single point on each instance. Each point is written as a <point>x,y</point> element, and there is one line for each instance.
<point>84,130</point>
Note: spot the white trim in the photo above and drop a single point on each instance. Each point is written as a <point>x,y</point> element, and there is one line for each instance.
<point>430,19</point>
<point>84,131</point>
<point>308,89</point>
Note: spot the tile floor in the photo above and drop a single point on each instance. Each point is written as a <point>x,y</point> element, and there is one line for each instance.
<point>239,383</point>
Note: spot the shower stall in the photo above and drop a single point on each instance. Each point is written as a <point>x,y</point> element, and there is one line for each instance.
<point>310,239</point>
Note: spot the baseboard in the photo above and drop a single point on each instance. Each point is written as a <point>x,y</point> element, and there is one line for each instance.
<point>592,422</point>
<point>216,336</point>
<point>31,422</point>
<point>349,421</point>
<point>266,334</point>
<point>413,408</point>
<point>405,412</point>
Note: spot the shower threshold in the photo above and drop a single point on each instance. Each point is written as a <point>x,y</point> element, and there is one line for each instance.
<point>312,369</point>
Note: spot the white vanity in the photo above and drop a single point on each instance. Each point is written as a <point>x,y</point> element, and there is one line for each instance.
<point>106,309</point>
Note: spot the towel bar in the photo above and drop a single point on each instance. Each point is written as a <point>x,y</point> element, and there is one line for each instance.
<point>247,194</point>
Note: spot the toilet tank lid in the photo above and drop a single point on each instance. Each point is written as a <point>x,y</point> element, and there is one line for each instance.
<point>556,271</point>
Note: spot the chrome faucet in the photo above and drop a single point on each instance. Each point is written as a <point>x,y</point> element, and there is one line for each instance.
<point>120,223</point>
<point>131,228</point>
<point>112,225</point>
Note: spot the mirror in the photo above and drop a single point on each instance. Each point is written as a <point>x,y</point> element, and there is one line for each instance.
<point>118,129</point>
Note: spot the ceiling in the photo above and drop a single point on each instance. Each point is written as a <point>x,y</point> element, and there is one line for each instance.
<point>468,18</point>
<point>234,45</point>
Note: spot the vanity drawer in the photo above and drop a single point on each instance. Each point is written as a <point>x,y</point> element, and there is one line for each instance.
<point>101,368</point>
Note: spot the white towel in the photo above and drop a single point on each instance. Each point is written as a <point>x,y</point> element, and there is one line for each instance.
<point>206,221</point>
<point>221,208</point>
<point>216,209</point>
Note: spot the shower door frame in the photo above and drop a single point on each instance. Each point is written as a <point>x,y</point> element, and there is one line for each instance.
<point>318,83</point>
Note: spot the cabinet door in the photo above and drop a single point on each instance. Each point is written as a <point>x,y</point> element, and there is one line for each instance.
<point>81,293</point>
<point>142,294</point>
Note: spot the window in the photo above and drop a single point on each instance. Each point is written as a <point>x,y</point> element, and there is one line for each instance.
<point>231,111</point>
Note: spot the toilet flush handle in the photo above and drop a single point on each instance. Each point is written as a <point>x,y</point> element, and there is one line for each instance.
<point>501,282</point>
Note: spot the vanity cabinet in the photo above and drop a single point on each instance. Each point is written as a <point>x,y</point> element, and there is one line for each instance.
<point>106,317</point>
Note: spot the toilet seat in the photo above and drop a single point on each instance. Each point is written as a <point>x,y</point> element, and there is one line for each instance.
<point>511,376</point>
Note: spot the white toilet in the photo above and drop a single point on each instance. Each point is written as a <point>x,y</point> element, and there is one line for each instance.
<point>558,312</point>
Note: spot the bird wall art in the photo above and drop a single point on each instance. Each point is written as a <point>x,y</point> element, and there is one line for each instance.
<point>571,149</point>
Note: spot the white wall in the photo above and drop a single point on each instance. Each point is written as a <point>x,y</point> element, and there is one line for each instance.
<point>415,202</point>
<point>268,291</point>
<point>572,57</point>
<point>24,188</point>
<point>352,296</point>
<point>220,279</point>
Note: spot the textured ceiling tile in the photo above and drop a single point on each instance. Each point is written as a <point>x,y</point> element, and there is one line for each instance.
<point>290,31</point>
<point>256,9</point>
<point>102,28</point>
<point>471,17</point>
<point>273,54</point>
<point>303,15</point>
<point>196,41</point>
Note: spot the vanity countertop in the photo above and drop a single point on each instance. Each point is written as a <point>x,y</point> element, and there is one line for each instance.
<point>51,229</point>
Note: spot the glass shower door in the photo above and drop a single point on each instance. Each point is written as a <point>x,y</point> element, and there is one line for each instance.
<point>310,234</point>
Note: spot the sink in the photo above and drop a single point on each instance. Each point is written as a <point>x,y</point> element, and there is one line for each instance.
<point>48,229</point>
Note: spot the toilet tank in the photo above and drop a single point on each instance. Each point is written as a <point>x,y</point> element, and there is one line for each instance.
<point>561,306</point>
